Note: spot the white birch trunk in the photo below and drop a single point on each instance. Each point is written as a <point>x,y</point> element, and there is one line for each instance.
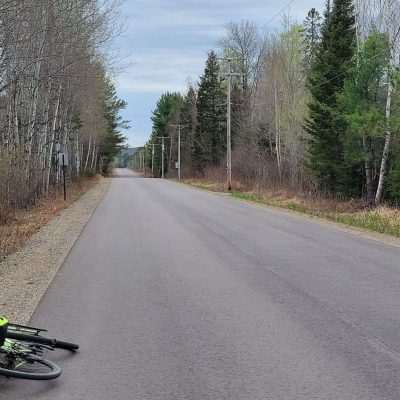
<point>88,154</point>
<point>386,148</point>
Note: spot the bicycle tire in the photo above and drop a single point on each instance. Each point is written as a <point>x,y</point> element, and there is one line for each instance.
<point>54,371</point>
<point>57,344</point>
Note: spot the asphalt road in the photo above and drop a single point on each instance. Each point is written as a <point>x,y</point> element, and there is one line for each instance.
<point>175,293</point>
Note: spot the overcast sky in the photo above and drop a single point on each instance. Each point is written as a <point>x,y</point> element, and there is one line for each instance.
<point>166,43</point>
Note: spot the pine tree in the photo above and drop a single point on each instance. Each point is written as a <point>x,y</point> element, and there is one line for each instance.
<point>209,141</point>
<point>363,105</point>
<point>113,140</point>
<point>312,35</point>
<point>188,119</point>
<point>325,125</point>
<point>166,109</point>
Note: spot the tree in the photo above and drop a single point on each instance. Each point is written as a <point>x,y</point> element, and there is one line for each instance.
<point>209,141</point>
<point>363,104</point>
<point>280,108</point>
<point>244,46</point>
<point>52,90</point>
<point>325,125</point>
<point>188,120</point>
<point>113,139</point>
<point>165,114</point>
<point>312,35</point>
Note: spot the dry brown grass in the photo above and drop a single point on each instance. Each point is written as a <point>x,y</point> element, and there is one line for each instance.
<point>22,224</point>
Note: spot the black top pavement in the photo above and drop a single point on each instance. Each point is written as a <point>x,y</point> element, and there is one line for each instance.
<point>175,293</point>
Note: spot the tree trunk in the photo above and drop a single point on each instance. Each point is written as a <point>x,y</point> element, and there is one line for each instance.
<point>88,154</point>
<point>53,133</point>
<point>368,173</point>
<point>386,148</point>
<point>277,134</point>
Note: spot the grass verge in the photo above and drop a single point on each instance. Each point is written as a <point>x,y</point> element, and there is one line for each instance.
<point>385,220</point>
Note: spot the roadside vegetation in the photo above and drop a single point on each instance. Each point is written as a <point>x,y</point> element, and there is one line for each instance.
<point>57,97</point>
<point>315,113</point>
<point>23,223</point>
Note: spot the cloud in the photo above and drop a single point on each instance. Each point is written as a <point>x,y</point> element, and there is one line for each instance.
<point>162,70</point>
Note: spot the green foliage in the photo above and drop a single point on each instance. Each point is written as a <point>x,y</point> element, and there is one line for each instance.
<point>113,141</point>
<point>312,35</point>
<point>165,113</point>
<point>325,124</point>
<point>330,131</point>
<point>363,106</point>
<point>393,187</point>
<point>188,119</point>
<point>209,141</point>
<point>394,181</point>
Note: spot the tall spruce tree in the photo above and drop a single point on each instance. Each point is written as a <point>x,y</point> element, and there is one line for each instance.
<point>188,119</point>
<point>113,139</point>
<point>312,35</point>
<point>167,108</point>
<point>325,124</point>
<point>363,105</point>
<point>209,141</point>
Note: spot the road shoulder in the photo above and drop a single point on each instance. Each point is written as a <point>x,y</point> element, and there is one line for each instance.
<point>351,229</point>
<point>26,274</point>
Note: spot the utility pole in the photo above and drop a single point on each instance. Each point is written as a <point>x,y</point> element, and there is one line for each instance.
<point>162,157</point>
<point>229,76</point>
<point>228,133</point>
<point>152,160</point>
<point>144,161</point>
<point>179,126</point>
<point>179,152</point>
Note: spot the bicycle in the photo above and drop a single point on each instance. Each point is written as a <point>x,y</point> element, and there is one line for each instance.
<point>22,350</point>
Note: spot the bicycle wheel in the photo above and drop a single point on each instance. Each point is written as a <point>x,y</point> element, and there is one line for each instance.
<point>57,344</point>
<point>32,368</point>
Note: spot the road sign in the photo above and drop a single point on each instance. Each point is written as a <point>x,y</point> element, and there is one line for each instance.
<point>63,159</point>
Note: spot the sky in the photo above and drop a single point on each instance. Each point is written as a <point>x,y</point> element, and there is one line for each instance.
<point>165,44</point>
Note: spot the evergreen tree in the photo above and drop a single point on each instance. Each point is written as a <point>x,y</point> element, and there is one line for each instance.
<point>393,187</point>
<point>113,141</point>
<point>188,119</point>
<point>363,105</point>
<point>325,125</point>
<point>209,141</point>
<point>166,109</point>
<point>312,35</point>
<point>394,178</point>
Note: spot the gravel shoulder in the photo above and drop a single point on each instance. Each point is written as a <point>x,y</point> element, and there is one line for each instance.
<point>26,274</point>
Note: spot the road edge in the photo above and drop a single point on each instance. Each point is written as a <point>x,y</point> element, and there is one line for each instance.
<point>357,231</point>
<point>27,274</point>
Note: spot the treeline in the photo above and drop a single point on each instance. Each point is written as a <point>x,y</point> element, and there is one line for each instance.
<point>315,107</point>
<point>56,95</point>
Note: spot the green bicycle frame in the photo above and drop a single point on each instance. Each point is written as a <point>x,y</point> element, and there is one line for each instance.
<point>3,329</point>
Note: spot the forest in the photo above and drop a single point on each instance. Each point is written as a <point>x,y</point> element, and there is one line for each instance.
<point>315,106</point>
<point>57,95</point>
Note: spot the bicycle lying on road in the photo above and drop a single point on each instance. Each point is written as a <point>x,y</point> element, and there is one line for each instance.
<point>22,350</point>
